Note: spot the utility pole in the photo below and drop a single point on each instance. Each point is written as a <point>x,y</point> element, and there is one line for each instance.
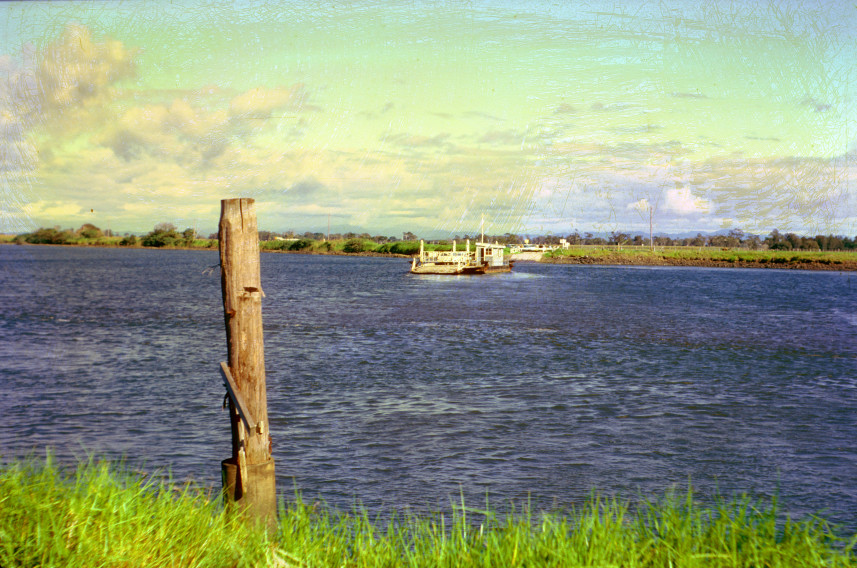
<point>248,476</point>
<point>651,232</point>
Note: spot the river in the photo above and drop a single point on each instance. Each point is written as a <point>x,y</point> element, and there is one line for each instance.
<point>403,391</point>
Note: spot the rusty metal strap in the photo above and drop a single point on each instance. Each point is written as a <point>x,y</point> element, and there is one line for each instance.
<point>237,399</point>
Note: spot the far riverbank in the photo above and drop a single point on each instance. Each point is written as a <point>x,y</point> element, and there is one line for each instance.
<point>604,255</point>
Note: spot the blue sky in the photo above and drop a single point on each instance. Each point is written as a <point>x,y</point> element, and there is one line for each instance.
<point>544,118</point>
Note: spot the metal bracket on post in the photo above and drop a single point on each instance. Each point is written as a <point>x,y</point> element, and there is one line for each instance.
<point>236,397</point>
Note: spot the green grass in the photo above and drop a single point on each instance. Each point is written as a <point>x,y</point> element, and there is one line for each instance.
<point>644,255</point>
<point>105,515</point>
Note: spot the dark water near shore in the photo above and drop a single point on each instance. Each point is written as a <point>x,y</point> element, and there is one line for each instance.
<point>405,391</point>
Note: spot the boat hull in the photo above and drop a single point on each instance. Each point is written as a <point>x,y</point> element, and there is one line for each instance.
<point>453,270</point>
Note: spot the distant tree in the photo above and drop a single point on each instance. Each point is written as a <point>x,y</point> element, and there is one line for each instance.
<point>753,242</point>
<point>721,241</point>
<point>188,236</point>
<point>775,241</point>
<point>163,235</point>
<point>165,228</point>
<point>301,244</point>
<point>49,237</point>
<point>409,236</point>
<point>617,238</point>
<point>698,241</point>
<point>835,243</point>
<point>89,231</point>
<point>807,243</point>
<point>128,241</point>
<point>794,240</point>
<point>354,245</point>
<point>737,234</point>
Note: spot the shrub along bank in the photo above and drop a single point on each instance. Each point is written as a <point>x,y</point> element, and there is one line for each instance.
<point>106,515</point>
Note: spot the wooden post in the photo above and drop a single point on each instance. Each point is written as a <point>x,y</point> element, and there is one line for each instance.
<point>248,476</point>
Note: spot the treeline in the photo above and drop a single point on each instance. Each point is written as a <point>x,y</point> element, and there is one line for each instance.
<point>163,235</point>
<point>735,238</point>
<point>56,236</point>
<point>310,236</point>
<point>167,235</point>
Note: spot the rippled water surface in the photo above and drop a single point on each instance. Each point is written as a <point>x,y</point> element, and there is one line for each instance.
<point>407,391</point>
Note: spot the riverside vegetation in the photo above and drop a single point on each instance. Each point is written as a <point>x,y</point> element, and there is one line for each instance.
<point>698,256</point>
<point>776,251</point>
<point>102,514</point>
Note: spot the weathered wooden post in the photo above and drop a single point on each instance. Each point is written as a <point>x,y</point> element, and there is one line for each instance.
<point>248,476</point>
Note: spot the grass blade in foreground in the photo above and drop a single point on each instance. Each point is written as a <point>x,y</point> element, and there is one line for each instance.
<point>103,515</point>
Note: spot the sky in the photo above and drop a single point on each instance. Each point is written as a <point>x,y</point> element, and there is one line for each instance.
<point>383,117</point>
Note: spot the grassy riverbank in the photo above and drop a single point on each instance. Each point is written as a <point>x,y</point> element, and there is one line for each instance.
<point>102,515</point>
<point>705,256</point>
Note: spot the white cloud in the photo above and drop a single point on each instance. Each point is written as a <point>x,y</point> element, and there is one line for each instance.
<point>260,102</point>
<point>75,71</point>
<point>641,205</point>
<point>681,201</point>
<point>53,209</point>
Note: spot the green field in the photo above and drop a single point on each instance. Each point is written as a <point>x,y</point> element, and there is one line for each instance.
<point>106,515</point>
<point>837,260</point>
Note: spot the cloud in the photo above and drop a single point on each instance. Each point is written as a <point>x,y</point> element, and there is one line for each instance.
<point>689,96</point>
<point>503,138</point>
<point>481,115</point>
<point>637,129</point>
<point>815,104</point>
<point>53,209</point>
<point>305,189</point>
<point>75,71</point>
<point>682,202</point>
<point>179,132</point>
<point>640,206</point>
<point>407,140</point>
<point>260,102</point>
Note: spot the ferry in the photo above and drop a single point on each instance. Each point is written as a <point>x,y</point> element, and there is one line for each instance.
<point>484,258</point>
